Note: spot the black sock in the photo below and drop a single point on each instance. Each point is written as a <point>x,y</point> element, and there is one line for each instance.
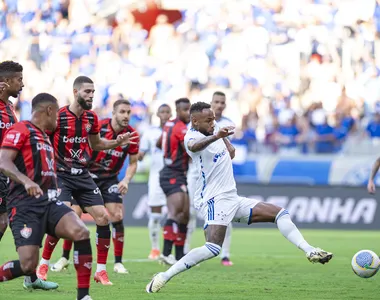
<point>1,235</point>
<point>169,236</point>
<point>83,292</point>
<point>66,254</point>
<point>33,277</point>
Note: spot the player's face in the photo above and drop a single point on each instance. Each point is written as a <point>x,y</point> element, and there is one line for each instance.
<point>164,113</point>
<point>218,104</point>
<point>85,95</point>
<point>122,115</point>
<point>205,122</point>
<point>183,112</point>
<point>52,116</point>
<point>15,84</point>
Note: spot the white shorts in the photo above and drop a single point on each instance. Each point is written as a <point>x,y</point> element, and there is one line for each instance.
<point>156,196</point>
<point>226,208</point>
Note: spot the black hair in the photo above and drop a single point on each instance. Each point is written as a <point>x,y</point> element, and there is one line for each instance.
<point>199,107</point>
<point>8,68</point>
<point>80,80</point>
<point>182,100</point>
<point>120,102</point>
<point>162,106</point>
<point>43,98</point>
<point>219,93</point>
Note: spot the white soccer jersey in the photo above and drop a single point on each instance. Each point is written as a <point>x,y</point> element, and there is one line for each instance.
<point>214,164</point>
<point>148,144</point>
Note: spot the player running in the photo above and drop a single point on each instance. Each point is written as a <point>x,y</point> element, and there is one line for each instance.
<point>156,197</point>
<point>27,158</point>
<point>77,131</point>
<point>10,86</point>
<point>104,168</point>
<point>173,181</point>
<point>217,200</point>
<point>218,105</point>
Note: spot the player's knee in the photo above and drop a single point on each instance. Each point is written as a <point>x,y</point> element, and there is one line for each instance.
<point>29,264</point>
<point>101,218</point>
<point>81,233</point>
<point>116,216</point>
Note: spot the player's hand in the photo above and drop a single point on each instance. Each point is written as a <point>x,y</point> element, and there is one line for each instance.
<point>3,86</point>
<point>123,187</point>
<point>127,138</point>
<point>371,187</point>
<point>225,132</point>
<point>33,189</point>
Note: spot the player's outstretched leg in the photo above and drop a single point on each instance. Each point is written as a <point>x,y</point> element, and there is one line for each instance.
<point>225,254</point>
<point>103,242</point>
<point>215,236</point>
<point>265,212</point>
<point>115,211</point>
<point>154,227</point>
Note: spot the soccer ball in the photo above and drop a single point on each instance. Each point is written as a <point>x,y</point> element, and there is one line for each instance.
<point>365,263</point>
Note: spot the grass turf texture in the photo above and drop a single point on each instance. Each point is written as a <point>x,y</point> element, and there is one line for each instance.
<point>266,266</point>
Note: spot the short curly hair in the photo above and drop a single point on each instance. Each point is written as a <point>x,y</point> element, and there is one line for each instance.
<point>199,107</point>
<point>8,68</point>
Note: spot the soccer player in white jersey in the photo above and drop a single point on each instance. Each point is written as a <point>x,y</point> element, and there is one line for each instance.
<point>217,200</point>
<point>218,105</point>
<point>156,197</point>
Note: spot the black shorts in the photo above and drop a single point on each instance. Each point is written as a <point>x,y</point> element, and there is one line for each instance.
<point>80,187</point>
<point>109,190</point>
<point>173,182</point>
<point>30,223</point>
<point>4,189</point>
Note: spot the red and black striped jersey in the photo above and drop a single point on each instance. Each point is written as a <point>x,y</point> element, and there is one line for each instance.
<point>35,159</point>
<point>107,163</point>
<point>70,140</point>
<point>175,156</point>
<point>7,118</point>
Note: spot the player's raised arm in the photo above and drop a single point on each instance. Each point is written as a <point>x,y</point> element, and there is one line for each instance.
<point>230,148</point>
<point>371,183</point>
<point>98,144</point>
<point>202,143</point>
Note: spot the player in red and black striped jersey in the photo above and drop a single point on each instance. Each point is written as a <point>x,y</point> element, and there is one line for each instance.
<point>27,158</point>
<point>77,131</point>
<point>10,86</point>
<point>105,167</point>
<point>173,181</point>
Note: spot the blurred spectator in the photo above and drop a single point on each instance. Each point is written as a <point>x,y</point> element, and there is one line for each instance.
<point>281,63</point>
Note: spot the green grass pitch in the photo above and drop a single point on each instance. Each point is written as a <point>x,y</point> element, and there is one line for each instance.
<point>266,266</point>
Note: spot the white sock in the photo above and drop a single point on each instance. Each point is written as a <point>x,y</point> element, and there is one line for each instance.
<point>154,226</point>
<point>100,267</point>
<point>44,261</point>
<point>194,257</point>
<point>190,230</point>
<point>28,279</point>
<point>291,232</point>
<point>227,242</point>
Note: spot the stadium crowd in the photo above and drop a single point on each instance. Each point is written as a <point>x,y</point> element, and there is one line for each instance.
<point>299,75</point>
